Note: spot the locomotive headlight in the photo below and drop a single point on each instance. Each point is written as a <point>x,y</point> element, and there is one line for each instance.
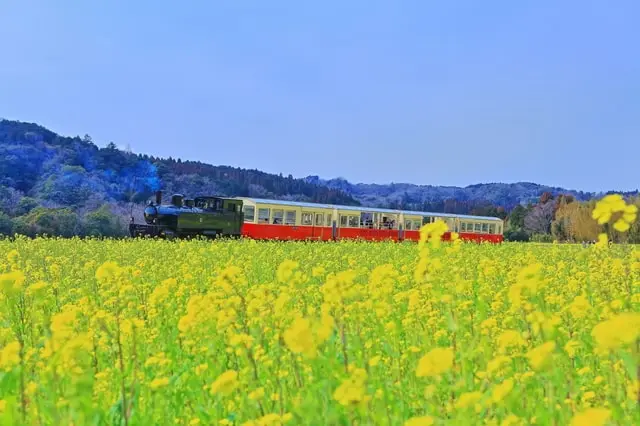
<point>150,214</point>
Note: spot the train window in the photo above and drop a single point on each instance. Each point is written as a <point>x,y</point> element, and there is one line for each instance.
<point>485,228</point>
<point>263,215</point>
<point>290,218</point>
<point>249,213</point>
<point>278,215</point>
<point>354,221</point>
<point>307,219</point>
<point>343,220</point>
<point>329,219</point>
<point>367,219</point>
<point>477,227</point>
<point>463,227</point>
<point>320,219</point>
<point>417,225</point>
<point>492,228</point>
<point>408,225</point>
<point>231,207</point>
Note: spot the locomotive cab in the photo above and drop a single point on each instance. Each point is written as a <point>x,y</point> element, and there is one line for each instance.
<point>177,200</point>
<point>205,215</point>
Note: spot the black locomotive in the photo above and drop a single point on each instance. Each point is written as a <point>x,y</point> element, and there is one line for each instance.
<point>200,216</point>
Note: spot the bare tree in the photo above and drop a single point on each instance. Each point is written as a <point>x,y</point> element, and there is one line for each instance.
<point>539,218</point>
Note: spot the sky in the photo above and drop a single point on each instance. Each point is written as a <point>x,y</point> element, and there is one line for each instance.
<point>425,92</point>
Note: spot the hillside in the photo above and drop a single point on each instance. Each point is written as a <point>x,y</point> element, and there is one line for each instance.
<point>44,174</point>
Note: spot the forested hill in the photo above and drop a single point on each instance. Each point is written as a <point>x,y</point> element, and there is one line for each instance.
<point>73,186</point>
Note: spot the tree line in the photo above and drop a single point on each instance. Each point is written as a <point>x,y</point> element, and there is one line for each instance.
<point>562,218</point>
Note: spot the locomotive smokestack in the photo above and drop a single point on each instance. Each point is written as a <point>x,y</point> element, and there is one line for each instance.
<point>158,197</point>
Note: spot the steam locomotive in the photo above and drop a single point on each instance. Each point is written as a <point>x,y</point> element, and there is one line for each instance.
<point>183,217</point>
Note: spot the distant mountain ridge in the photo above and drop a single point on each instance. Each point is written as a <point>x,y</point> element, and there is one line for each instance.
<point>505,195</point>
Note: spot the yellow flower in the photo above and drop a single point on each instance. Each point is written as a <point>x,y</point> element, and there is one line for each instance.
<point>468,399</point>
<point>201,369</point>
<point>618,331</point>
<point>159,383</point>
<point>10,356</point>
<point>11,282</point>
<point>512,420</point>
<point>621,225</point>
<point>612,205</point>
<point>226,383</point>
<point>257,394</point>
<point>352,391</point>
<point>579,307</point>
<point>286,270</point>
<point>270,420</point>
<point>497,364</point>
<point>571,348</point>
<point>539,357</point>
<point>107,271</point>
<point>374,361</point>
<point>603,241</point>
<point>436,362</point>
<point>510,339</point>
<point>303,336</point>
<point>419,421</point>
<point>502,390</point>
<point>591,417</point>
<point>299,337</point>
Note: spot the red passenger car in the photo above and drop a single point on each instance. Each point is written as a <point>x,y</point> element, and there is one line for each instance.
<point>289,220</point>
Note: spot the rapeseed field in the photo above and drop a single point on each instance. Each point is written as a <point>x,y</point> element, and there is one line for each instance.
<point>147,332</point>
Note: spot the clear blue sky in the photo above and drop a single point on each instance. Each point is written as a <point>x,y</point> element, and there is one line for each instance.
<point>443,93</point>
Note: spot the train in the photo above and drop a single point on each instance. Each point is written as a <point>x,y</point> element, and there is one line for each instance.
<point>267,219</point>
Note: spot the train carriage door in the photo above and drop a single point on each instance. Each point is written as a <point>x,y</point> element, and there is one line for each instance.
<point>318,226</point>
<point>307,225</point>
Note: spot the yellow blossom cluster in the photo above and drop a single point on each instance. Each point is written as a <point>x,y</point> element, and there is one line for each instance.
<point>614,205</point>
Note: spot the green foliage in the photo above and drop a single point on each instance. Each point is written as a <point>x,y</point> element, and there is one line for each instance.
<point>102,222</point>
<point>43,221</point>
<point>25,205</point>
<point>541,238</point>
<point>560,230</point>
<point>516,218</point>
<point>519,235</point>
<point>6,224</point>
